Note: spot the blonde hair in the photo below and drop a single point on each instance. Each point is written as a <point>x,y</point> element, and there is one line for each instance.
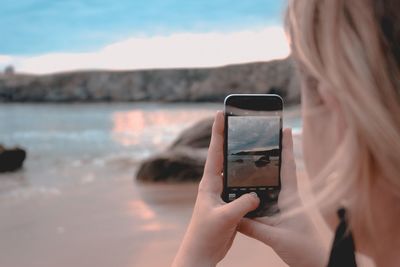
<point>353,47</point>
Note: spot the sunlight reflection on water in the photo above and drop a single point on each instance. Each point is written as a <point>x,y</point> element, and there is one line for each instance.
<point>141,209</point>
<point>132,127</point>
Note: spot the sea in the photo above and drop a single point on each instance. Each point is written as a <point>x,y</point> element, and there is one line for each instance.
<point>78,143</point>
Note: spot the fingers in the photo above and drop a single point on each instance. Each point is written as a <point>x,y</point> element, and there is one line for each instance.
<point>236,209</point>
<point>215,154</point>
<point>264,233</point>
<point>288,172</point>
<point>212,179</point>
<point>270,220</point>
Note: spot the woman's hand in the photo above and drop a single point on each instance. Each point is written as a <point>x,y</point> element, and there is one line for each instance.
<point>293,237</point>
<point>213,225</point>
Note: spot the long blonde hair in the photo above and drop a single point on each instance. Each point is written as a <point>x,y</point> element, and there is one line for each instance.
<point>354,47</point>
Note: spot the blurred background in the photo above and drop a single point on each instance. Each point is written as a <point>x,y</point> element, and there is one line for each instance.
<point>105,115</point>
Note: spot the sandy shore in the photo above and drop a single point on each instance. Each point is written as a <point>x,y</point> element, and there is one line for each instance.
<point>108,222</point>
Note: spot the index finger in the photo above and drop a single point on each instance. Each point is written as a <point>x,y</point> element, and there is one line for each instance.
<point>215,156</point>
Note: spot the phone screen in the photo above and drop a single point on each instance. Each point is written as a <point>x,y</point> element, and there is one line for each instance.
<point>252,150</point>
<point>253,153</point>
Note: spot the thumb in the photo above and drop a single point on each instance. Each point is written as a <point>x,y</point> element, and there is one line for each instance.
<point>239,207</point>
<point>267,234</point>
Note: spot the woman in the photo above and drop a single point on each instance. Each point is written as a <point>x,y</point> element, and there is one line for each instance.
<point>348,54</point>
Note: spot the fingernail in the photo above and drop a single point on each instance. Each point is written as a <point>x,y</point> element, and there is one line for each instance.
<point>254,194</point>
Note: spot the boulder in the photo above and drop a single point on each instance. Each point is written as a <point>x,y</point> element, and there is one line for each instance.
<point>11,159</point>
<point>179,164</point>
<point>197,136</point>
<point>183,161</point>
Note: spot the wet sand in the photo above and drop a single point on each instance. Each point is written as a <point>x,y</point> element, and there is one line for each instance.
<point>108,223</point>
<point>246,173</point>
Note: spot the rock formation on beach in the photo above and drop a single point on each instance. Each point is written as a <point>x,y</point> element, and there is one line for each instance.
<point>167,85</point>
<point>178,164</point>
<point>11,159</point>
<point>184,160</point>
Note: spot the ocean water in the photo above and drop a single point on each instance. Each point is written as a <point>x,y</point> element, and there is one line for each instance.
<point>79,143</point>
<point>32,27</point>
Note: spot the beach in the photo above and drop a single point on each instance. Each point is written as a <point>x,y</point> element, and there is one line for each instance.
<point>244,172</point>
<point>76,202</point>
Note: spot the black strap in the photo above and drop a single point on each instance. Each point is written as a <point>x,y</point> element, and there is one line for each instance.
<point>342,253</point>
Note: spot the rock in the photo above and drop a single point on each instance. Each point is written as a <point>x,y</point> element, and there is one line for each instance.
<point>197,136</point>
<point>9,70</point>
<point>184,160</point>
<point>176,165</point>
<point>262,162</point>
<point>11,159</point>
<point>167,85</point>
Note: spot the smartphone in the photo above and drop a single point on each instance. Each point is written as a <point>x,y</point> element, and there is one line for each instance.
<point>252,149</point>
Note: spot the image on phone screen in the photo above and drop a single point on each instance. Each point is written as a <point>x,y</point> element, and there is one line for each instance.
<point>253,151</point>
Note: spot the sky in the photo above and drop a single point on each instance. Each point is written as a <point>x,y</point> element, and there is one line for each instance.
<point>259,132</point>
<point>44,36</point>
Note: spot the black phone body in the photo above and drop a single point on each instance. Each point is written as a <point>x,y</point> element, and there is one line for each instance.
<point>252,149</point>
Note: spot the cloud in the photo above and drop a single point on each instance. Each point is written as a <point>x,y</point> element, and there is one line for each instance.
<point>172,51</point>
<point>249,132</point>
<point>5,60</point>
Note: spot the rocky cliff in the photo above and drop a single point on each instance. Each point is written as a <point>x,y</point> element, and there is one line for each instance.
<point>169,85</point>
